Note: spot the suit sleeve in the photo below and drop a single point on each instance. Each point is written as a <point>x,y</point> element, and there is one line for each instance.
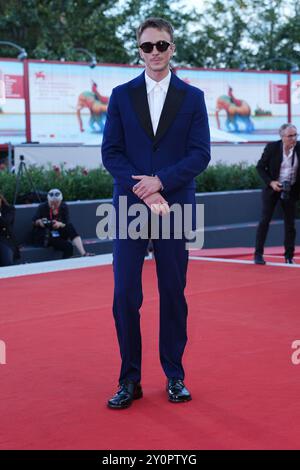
<point>263,165</point>
<point>113,147</point>
<point>198,151</point>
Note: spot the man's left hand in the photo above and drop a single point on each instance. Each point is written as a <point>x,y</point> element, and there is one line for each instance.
<point>157,204</point>
<point>147,185</point>
<point>57,224</point>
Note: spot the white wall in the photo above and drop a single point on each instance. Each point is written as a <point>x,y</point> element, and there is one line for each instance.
<point>87,156</point>
<point>90,156</point>
<point>235,153</point>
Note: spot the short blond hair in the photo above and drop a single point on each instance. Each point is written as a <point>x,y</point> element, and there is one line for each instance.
<point>157,23</point>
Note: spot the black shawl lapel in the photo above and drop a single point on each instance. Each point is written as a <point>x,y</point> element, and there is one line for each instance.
<point>141,106</point>
<point>171,106</point>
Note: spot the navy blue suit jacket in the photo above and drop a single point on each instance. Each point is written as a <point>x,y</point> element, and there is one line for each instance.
<point>179,150</point>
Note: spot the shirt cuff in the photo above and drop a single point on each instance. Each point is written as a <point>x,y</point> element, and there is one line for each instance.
<point>161,185</point>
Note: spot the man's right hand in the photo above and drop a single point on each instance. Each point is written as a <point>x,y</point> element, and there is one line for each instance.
<point>39,223</point>
<point>157,204</point>
<point>276,186</point>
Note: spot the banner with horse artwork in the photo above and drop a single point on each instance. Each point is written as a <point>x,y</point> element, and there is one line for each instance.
<point>68,101</point>
<point>242,106</point>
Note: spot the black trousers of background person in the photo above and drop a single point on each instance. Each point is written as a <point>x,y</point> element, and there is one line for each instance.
<point>269,201</point>
<point>62,242</point>
<point>6,254</point>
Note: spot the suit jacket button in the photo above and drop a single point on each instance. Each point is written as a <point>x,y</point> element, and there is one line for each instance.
<point>155,148</point>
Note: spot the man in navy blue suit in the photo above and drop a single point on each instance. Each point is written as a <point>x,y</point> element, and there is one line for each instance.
<point>156,141</point>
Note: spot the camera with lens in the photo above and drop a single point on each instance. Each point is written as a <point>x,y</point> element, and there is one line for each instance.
<point>48,228</point>
<point>47,223</point>
<point>286,189</point>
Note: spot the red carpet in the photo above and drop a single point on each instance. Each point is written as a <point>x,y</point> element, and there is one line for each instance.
<point>63,363</point>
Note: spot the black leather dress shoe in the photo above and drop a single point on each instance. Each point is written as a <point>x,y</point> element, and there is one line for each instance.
<point>128,391</point>
<point>289,261</point>
<point>259,259</point>
<point>177,392</point>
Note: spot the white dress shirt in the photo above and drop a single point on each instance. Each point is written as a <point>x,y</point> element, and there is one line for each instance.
<point>287,171</point>
<point>156,93</point>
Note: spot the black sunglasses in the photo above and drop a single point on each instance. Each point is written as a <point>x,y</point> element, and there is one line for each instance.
<point>161,46</point>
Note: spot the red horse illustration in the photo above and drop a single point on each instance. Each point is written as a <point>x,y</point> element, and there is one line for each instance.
<point>97,104</point>
<point>236,110</point>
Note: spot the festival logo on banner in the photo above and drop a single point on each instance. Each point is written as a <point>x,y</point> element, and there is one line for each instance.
<point>12,103</point>
<point>278,93</point>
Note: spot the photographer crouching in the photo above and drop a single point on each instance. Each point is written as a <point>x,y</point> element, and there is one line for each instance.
<point>52,226</point>
<point>279,167</point>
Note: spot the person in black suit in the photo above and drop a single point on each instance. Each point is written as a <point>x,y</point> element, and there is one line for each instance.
<point>8,247</point>
<point>279,167</point>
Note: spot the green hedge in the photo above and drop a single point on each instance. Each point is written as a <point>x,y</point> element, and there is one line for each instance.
<point>222,177</point>
<point>80,184</point>
<point>75,184</point>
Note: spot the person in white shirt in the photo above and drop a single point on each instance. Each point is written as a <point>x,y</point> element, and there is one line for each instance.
<point>280,170</point>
